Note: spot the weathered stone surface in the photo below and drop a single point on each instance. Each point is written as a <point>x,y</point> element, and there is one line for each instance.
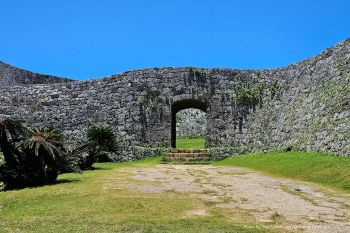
<point>10,76</point>
<point>304,106</point>
<point>190,123</point>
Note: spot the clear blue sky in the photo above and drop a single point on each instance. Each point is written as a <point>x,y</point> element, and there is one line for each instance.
<point>82,39</point>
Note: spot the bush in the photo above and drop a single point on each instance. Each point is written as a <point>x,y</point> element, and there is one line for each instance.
<point>32,157</point>
<point>37,157</point>
<point>248,95</point>
<point>274,89</point>
<point>102,136</point>
<point>100,146</point>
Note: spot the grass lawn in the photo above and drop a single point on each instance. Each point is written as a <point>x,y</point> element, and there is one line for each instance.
<point>320,168</point>
<point>194,143</point>
<point>89,203</point>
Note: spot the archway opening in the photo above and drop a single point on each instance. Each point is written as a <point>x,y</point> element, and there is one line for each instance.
<point>188,122</point>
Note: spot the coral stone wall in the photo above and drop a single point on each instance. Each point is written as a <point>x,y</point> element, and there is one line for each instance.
<point>191,123</point>
<point>10,76</point>
<point>313,111</point>
<point>138,103</point>
<point>303,106</point>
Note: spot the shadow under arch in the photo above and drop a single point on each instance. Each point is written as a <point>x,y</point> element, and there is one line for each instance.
<point>181,105</point>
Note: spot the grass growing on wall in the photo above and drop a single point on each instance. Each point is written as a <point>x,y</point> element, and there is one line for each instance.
<point>320,168</point>
<point>194,143</point>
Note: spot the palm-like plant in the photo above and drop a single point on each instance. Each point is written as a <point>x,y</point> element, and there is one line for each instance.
<point>32,157</point>
<point>48,141</point>
<point>11,131</point>
<point>101,142</point>
<point>103,136</point>
<point>72,159</point>
<point>43,150</point>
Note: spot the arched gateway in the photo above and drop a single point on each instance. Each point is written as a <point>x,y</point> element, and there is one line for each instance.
<point>181,105</point>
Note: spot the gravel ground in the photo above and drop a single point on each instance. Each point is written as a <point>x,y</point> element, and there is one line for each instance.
<point>291,205</point>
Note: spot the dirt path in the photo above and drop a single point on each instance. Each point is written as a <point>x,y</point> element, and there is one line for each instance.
<point>289,204</point>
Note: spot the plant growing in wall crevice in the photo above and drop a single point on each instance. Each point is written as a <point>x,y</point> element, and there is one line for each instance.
<point>248,95</point>
<point>274,89</point>
<point>196,73</point>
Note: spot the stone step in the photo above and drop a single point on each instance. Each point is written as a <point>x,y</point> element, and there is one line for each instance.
<point>187,156</point>
<point>175,150</point>
<point>188,159</point>
<point>195,162</point>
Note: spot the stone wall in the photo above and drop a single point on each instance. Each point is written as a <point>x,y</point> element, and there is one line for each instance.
<point>313,111</point>
<point>191,123</point>
<point>304,106</point>
<point>10,76</point>
<point>138,103</point>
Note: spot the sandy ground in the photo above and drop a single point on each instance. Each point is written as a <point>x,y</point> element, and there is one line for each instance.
<point>290,205</point>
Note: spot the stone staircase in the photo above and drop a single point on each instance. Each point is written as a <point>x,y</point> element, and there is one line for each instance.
<point>187,156</point>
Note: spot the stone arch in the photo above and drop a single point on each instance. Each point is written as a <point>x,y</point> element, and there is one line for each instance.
<point>181,105</point>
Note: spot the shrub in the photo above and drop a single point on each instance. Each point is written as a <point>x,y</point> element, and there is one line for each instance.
<point>248,95</point>
<point>199,73</point>
<point>101,144</point>
<point>42,150</point>
<point>11,132</point>
<point>274,88</point>
<point>103,136</point>
<point>196,72</point>
<point>32,157</point>
<point>71,160</point>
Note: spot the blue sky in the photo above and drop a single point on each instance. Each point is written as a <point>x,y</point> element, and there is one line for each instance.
<point>82,39</point>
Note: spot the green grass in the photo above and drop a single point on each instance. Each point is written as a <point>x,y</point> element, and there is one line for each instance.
<point>194,143</point>
<point>89,203</point>
<point>320,168</point>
